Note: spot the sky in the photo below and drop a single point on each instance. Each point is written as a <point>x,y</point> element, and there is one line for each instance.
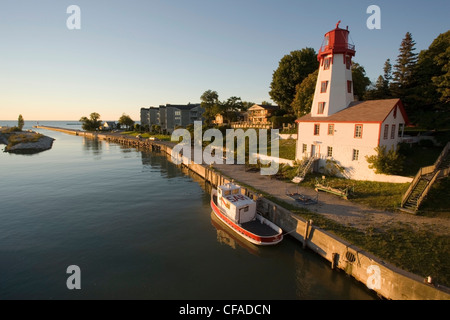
<point>135,53</point>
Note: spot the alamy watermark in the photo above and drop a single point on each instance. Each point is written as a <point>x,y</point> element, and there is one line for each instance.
<point>235,150</point>
<point>74,280</point>
<point>73,22</point>
<point>374,21</point>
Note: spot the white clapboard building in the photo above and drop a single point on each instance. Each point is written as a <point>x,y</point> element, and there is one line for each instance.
<point>339,128</point>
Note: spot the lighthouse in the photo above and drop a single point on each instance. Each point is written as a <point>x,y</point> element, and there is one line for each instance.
<point>338,135</point>
<point>334,87</point>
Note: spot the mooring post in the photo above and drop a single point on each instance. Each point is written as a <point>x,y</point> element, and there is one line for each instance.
<point>305,236</point>
<point>333,260</point>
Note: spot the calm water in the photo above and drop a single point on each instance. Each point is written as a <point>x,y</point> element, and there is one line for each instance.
<point>138,228</point>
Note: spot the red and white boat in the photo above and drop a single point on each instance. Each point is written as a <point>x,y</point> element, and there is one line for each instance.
<point>238,212</point>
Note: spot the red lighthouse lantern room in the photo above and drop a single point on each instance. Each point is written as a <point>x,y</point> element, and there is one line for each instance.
<point>336,42</point>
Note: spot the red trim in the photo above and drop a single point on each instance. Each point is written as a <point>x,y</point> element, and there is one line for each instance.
<point>242,231</point>
<point>399,103</point>
<point>330,124</point>
<point>379,134</point>
<point>314,129</point>
<point>327,120</point>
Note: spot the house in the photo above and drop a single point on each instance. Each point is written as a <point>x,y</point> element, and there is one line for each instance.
<point>340,129</point>
<point>261,113</point>
<point>108,125</point>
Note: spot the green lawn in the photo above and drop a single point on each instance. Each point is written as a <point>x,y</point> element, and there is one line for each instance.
<point>146,135</point>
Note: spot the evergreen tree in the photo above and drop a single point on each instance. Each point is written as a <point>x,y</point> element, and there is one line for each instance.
<point>387,77</point>
<point>404,67</point>
<point>20,122</point>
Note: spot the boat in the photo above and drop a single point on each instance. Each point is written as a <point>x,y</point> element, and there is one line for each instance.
<point>239,213</point>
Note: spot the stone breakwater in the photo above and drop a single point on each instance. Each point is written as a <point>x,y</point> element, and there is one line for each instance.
<point>25,142</point>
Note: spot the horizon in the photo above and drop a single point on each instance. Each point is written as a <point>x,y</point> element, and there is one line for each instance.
<point>149,53</point>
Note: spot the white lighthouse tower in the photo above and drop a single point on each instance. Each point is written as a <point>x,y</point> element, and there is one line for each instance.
<point>334,87</point>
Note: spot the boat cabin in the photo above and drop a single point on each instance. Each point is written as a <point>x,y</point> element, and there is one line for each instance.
<point>234,204</point>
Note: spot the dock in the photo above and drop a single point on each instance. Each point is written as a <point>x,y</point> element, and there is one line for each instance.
<point>388,281</point>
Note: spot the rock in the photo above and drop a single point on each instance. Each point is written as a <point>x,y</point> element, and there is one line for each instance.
<point>44,142</point>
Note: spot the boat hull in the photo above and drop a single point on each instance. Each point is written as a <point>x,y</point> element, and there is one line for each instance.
<point>257,238</point>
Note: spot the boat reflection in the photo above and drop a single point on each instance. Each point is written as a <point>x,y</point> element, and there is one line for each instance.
<point>227,237</point>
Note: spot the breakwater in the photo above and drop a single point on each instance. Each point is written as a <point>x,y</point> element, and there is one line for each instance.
<point>387,280</point>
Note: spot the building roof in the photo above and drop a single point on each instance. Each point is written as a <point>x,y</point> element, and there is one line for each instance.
<point>361,111</point>
<point>265,106</point>
<point>183,106</point>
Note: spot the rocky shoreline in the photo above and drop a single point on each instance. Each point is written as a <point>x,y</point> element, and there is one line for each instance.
<point>25,142</point>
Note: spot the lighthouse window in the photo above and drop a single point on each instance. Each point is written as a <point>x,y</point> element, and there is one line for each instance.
<point>316,129</point>
<point>321,107</point>
<point>326,63</point>
<point>331,129</point>
<point>324,86</point>
<point>349,86</point>
<point>348,62</point>
<point>355,155</point>
<point>358,131</point>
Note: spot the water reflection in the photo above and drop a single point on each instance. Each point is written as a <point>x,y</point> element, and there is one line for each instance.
<point>93,146</point>
<point>157,162</point>
<point>228,237</point>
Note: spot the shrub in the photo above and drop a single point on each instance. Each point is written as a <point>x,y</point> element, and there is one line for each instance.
<point>390,162</point>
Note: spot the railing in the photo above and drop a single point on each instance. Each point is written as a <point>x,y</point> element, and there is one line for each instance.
<point>422,171</point>
<point>249,124</point>
<point>427,188</point>
<point>348,46</point>
<point>427,170</point>
<point>442,155</point>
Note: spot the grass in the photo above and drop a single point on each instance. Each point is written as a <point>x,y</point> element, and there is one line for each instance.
<point>378,195</point>
<point>287,149</point>
<point>437,203</point>
<point>145,135</point>
<point>15,139</point>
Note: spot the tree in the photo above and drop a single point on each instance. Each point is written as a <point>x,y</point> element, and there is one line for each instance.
<point>230,108</point>
<point>428,95</point>
<point>387,74</point>
<point>292,70</point>
<point>126,121</point>
<point>304,95</point>
<point>210,102</point>
<point>20,122</point>
<point>360,80</point>
<point>404,67</point>
<point>92,123</point>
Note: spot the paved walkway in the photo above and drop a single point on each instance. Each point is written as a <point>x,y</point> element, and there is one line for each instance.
<point>335,208</point>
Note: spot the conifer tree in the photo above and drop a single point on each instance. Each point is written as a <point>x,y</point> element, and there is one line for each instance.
<point>404,67</point>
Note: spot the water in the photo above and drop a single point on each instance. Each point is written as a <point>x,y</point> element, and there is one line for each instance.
<point>139,228</point>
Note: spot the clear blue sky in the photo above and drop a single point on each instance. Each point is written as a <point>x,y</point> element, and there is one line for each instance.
<point>133,54</point>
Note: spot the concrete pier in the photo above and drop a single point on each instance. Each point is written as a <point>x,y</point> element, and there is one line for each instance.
<point>385,279</point>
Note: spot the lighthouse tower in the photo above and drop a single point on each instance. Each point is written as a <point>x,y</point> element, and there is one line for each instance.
<point>334,87</point>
